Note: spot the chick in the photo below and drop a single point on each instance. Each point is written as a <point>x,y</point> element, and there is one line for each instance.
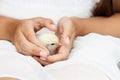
<point>50,41</point>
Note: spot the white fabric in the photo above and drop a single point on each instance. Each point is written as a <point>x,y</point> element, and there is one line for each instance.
<point>102,52</point>
<point>54,9</point>
<point>93,57</point>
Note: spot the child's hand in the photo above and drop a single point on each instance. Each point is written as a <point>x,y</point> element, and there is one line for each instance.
<point>66,32</point>
<point>24,37</point>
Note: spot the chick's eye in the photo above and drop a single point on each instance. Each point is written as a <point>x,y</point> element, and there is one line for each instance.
<point>53,44</point>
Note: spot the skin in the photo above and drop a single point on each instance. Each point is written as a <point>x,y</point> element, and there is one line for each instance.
<point>8,78</point>
<point>18,32</point>
<point>22,34</point>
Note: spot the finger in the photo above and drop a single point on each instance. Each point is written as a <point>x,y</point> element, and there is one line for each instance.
<point>65,40</point>
<point>39,21</point>
<point>60,56</point>
<point>63,51</point>
<point>42,21</point>
<point>30,48</point>
<point>41,61</point>
<point>64,30</point>
<point>30,35</point>
<point>66,25</point>
<point>59,29</point>
<point>51,27</point>
<point>26,50</point>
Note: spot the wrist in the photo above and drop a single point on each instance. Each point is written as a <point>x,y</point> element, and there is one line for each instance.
<point>6,27</point>
<point>79,24</point>
<point>11,28</point>
<point>75,25</point>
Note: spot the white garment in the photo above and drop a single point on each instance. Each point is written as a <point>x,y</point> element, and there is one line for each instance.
<point>54,9</point>
<point>93,57</point>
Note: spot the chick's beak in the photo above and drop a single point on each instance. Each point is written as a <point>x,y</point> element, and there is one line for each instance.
<point>59,44</point>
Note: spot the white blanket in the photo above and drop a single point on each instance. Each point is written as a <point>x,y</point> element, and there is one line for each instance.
<point>92,56</point>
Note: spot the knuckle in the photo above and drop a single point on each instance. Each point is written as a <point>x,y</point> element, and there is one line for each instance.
<point>29,38</point>
<point>25,22</point>
<point>32,39</point>
<point>34,51</point>
<point>37,19</point>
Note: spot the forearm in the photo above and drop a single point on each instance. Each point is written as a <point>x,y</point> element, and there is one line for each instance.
<point>6,27</point>
<point>101,25</point>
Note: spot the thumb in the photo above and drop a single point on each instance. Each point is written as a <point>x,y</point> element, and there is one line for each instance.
<point>65,39</point>
<point>51,27</point>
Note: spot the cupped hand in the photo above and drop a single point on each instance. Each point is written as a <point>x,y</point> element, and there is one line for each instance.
<point>24,37</point>
<point>66,32</point>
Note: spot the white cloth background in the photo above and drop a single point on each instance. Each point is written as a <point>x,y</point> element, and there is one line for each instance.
<point>93,57</point>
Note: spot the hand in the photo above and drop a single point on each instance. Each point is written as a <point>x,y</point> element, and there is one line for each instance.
<point>66,32</point>
<point>24,37</point>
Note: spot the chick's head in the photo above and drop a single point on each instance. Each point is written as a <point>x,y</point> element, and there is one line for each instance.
<point>50,41</point>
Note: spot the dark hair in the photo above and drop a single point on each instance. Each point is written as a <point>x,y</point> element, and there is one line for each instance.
<point>103,8</point>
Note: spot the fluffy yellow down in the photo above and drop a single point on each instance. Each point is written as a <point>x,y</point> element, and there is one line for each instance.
<point>50,41</point>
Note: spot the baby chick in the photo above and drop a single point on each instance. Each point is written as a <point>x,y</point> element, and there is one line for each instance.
<point>50,41</point>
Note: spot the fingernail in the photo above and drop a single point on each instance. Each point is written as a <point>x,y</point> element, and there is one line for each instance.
<point>43,54</point>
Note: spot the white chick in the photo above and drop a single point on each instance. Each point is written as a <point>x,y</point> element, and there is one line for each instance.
<point>50,41</point>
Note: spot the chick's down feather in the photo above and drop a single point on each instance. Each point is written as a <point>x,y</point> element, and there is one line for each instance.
<point>50,41</point>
